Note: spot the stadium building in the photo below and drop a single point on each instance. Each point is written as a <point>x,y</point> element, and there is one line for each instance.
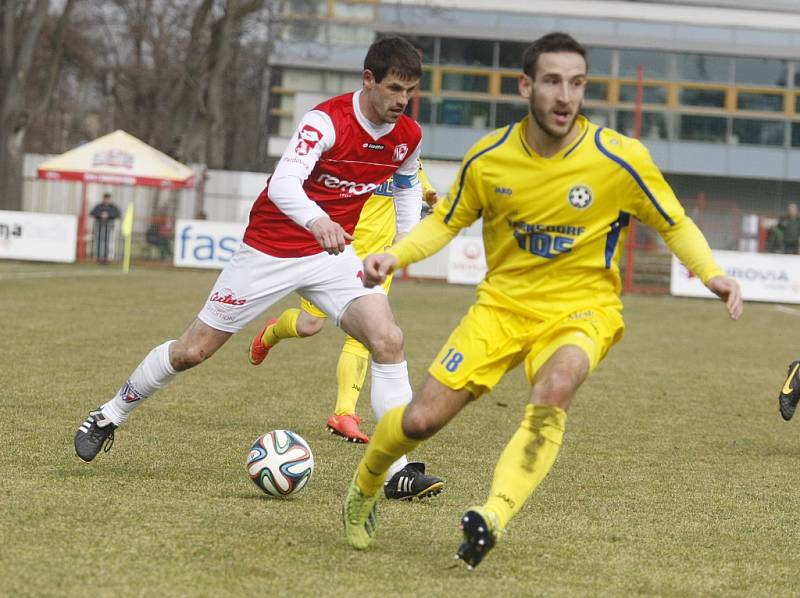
<point>720,90</point>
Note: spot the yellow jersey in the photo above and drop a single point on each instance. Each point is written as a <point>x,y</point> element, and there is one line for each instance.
<point>375,230</point>
<point>553,228</point>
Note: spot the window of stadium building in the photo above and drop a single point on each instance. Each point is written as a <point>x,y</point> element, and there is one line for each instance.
<point>426,44</point>
<point>354,10</point>
<point>655,64</point>
<point>600,61</point>
<point>795,134</point>
<point>704,67</point>
<point>761,71</point>
<point>427,80</point>
<point>424,108</point>
<point>651,94</point>
<point>797,104</point>
<point>463,113</point>
<point>693,127</point>
<point>712,98</point>
<point>506,113</point>
<point>468,52</point>
<point>509,85</point>
<point>768,102</point>
<point>758,132</point>
<point>596,90</point>
<point>465,82</point>
<point>305,8</point>
<point>510,56</point>
<point>653,125</point>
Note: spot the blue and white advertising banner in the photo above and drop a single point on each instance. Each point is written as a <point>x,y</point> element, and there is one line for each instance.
<point>38,237</point>
<point>205,244</point>
<point>762,276</point>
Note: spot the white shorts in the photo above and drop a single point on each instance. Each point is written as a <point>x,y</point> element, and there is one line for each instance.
<point>253,281</point>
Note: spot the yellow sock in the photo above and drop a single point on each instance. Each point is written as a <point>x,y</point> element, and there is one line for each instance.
<point>350,373</point>
<point>388,443</point>
<point>525,461</point>
<point>285,327</point>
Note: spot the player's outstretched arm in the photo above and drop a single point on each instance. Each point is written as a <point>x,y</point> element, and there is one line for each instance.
<point>728,290</point>
<point>329,234</point>
<point>377,266</point>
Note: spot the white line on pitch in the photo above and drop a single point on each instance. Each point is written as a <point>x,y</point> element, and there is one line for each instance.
<point>793,311</point>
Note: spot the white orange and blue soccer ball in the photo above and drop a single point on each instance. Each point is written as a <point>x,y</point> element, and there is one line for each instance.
<point>280,463</point>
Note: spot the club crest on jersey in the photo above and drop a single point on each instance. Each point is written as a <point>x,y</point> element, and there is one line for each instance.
<point>400,152</point>
<point>580,197</point>
<point>309,137</point>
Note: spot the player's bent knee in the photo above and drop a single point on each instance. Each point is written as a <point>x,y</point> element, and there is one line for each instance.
<point>557,389</point>
<point>419,424</point>
<point>309,326</point>
<point>185,357</point>
<point>386,344</point>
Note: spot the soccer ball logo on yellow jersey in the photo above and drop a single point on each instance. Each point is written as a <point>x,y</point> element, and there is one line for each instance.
<point>580,197</point>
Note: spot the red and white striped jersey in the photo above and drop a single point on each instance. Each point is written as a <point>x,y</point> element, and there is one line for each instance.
<point>333,163</point>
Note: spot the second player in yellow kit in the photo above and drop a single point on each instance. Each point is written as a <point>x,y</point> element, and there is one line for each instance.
<point>556,194</point>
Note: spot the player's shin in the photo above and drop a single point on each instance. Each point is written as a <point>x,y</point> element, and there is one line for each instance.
<point>284,327</point>
<point>388,443</point>
<point>152,374</point>
<point>390,389</point>
<point>526,460</point>
<point>351,371</point>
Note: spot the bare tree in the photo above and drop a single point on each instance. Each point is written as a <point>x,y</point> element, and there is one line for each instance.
<point>187,76</point>
<point>22,25</point>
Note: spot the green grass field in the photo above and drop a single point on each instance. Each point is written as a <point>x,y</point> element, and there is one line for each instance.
<point>677,476</point>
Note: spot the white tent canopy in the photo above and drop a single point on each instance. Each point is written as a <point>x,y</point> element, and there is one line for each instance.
<point>118,159</point>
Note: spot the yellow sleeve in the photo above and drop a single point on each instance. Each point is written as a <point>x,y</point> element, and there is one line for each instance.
<point>424,181</point>
<point>425,239</point>
<point>651,199</point>
<point>690,246</point>
<point>654,203</point>
<point>459,208</point>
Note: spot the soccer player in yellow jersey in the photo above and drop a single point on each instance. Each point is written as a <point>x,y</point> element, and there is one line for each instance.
<point>556,193</point>
<point>374,233</point>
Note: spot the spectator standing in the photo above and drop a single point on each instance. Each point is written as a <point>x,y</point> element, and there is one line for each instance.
<point>789,225</point>
<point>104,215</point>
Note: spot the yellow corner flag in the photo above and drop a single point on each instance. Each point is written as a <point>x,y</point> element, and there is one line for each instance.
<point>127,233</point>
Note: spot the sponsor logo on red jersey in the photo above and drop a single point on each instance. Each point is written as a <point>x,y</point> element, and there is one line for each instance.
<point>309,137</point>
<point>350,187</point>
<point>400,152</point>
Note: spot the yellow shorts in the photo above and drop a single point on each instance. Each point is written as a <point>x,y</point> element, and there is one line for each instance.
<point>490,341</point>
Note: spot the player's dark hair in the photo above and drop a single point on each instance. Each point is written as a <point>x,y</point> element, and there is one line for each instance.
<point>550,43</point>
<point>393,55</point>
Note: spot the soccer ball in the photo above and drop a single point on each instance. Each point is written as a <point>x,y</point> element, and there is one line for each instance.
<point>280,463</point>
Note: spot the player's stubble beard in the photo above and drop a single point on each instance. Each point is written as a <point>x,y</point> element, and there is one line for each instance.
<point>540,116</point>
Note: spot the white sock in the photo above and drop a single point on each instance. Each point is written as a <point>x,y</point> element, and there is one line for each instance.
<point>154,372</point>
<point>390,389</point>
